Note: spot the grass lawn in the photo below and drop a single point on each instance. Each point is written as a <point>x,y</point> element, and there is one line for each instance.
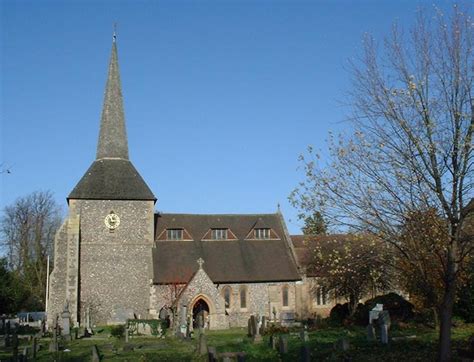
<point>321,342</point>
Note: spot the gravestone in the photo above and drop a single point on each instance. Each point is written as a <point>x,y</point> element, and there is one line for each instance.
<point>273,342</point>
<point>202,344</point>
<point>370,333</point>
<point>342,344</point>
<point>65,322</point>
<point>88,327</point>
<point>283,345</point>
<point>211,354</point>
<point>263,326</point>
<point>227,359</point>
<point>305,353</point>
<point>256,337</point>
<point>384,322</point>
<point>304,335</point>
<point>35,347</point>
<point>249,328</point>
<point>95,354</point>
<point>15,346</point>
<point>126,334</point>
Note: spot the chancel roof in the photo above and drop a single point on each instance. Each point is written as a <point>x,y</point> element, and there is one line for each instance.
<point>226,261</point>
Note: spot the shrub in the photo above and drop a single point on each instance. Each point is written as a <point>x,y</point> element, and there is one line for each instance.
<point>398,307</point>
<point>339,313</point>
<point>117,331</point>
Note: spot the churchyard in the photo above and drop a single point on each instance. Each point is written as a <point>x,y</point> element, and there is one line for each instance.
<point>406,341</point>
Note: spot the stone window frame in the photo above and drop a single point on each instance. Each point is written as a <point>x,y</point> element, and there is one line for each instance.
<point>285,289</point>
<point>243,293</point>
<point>224,290</point>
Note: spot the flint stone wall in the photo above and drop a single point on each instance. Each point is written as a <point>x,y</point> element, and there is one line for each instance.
<point>114,271</point>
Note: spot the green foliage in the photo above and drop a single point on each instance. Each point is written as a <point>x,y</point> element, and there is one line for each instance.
<point>13,295</point>
<point>275,329</point>
<point>118,331</point>
<point>314,224</point>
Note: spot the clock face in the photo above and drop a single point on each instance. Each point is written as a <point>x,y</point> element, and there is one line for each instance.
<point>112,221</point>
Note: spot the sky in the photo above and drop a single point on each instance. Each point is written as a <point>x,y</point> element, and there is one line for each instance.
<point>220,97</point>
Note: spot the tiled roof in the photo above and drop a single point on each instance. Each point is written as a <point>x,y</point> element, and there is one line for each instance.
<point>226,261</point>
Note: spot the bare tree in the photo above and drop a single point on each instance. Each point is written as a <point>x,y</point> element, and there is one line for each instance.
<point>411,148</point>
<point>27,228</point>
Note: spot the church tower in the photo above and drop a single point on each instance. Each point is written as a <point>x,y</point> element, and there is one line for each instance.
<point>103,250</point>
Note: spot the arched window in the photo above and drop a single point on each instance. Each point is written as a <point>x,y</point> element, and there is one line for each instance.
<point>243,298</point>
<point>284,293</point>
<point>227,292</point>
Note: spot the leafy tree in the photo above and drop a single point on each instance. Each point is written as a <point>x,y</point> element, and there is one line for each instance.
<point>27,229</point>
<point>314,224</point>
<point>352,267</point>
<point>411,145</point>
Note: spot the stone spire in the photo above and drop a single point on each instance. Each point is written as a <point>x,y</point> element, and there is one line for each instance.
<point>113,135</point>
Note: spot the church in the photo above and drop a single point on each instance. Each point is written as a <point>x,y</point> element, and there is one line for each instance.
<point>116,258</point>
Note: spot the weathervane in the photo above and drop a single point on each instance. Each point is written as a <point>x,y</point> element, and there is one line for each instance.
<point>115,32</point>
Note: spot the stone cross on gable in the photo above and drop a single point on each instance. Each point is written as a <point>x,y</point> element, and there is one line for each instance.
<point>200,262</point>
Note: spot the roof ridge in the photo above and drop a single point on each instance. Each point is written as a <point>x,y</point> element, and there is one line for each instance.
<point>198,214</point>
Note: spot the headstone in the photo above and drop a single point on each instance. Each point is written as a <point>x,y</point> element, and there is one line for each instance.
<point>227,359</point>
<point>305,353</point>
<point>374,313</point>
<point>342,344</point>
<point>249,328</point>
<point>211,354</point>
<point>253,325</point>
<point>126,335</point>
<point>370,333</point>
<point>95,354</point>
<point>384,333</point>
<point>257,338</point>
<point>15,346</point>
<point>263,326</point>
<point>35,347</point>
<point>202,344</point>
<point>273,342</point>
<point>65,321</point>
<point>283,345</point>
<point>304,335</point>
<point>8,327</point>
<point>7,341</point>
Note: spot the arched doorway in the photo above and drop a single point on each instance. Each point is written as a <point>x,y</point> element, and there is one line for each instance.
<point>200,313</point>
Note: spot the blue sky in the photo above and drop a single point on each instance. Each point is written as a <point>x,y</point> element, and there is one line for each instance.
<point>220,96</point>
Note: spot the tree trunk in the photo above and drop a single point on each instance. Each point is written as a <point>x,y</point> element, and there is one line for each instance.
<point>353,301</point>
<point>446,314</point>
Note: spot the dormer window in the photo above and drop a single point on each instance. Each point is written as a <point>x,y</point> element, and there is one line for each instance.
<point>174,234</point>
<point>219,234</point>
<point>262,233</point>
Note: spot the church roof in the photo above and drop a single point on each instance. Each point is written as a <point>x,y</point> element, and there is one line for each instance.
<point>112,176</point>
<point>112,179</point>
<point>226,261</point>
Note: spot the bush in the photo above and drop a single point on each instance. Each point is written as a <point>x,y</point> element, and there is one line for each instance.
<point>398,307</point>
<point>339,313</point>
<point>117,331</point>
<point>275,329</point>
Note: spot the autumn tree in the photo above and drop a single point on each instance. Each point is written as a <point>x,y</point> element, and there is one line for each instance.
<point>27,229</point>
<point>351,267</point>
<point>410,146</point>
